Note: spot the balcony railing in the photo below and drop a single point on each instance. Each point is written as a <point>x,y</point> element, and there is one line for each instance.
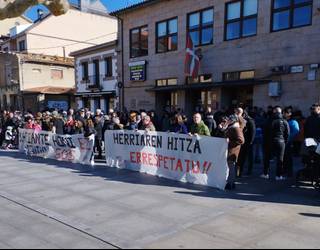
<point>93,82</point>
<point>98,82</point>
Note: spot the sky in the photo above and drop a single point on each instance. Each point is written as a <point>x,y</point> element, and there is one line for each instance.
<point>112,5</point>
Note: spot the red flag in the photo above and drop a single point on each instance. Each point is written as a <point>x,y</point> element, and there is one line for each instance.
<point>192,61</point>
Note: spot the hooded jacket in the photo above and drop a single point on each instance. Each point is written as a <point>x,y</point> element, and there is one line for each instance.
<point>280,130</point>
<point>236,138</point>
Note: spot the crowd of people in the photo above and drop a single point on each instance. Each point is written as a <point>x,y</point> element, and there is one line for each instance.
<point>254,135</point>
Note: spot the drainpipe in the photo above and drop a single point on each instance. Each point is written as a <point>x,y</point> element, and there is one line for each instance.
<point>21,81</point>
<point>122,66</point>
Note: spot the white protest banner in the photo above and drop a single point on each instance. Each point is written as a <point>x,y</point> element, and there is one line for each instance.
<point>70,148</point>
<point>193,159</point>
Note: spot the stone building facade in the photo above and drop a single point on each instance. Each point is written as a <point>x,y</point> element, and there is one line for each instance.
<point>96,77</point>
<point>36,82</point>
<point>269,57</point>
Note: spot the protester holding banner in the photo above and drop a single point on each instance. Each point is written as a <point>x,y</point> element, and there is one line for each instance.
<point>132,124</point>
<point>198,127</point>
<point>98,126</point>
<point>58,123</point>
<point>29,123</point>
<point>69,127</point>
<point>234,133</point>
<point>179,126</point>
<point>148,124</point>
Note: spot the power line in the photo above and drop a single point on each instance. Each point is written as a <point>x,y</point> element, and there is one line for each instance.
<point>70,44</point>
<point>85,41</point>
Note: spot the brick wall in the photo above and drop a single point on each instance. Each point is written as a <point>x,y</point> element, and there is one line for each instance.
<point>291,47</point>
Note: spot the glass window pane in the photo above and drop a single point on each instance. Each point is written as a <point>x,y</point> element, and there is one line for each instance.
<point>135,50</point>
<point>143,52</point>
<point>234,10</point>
<point>194,21</point>
<point>144,42</point>
<point>247,75</point>
<point>195,36</point>
<point>135,36</point>
<point>206,78</point>
<point>174,99</point>
<point>250,27</point>
<point>161,83</point>
<point>192,80</point>
<point>144,33</point>
<point>162,45</point>
<point>231,76</point>
<point>250,7</point>
<point>162,29</point>
<point>207,17</point>
<point>301,1</point>
<point>281,3</point>
<point>233,30</point>
<point>207,36</point>
<point>173,26</point>
<point>173,43</point>
<point>172,81</point>
<point>281,20</point>
<point>302,16</point>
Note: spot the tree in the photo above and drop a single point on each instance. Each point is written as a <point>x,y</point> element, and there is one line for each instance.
<point>15,8</point>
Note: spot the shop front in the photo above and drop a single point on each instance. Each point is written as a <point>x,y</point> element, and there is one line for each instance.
<point>191,98</point>
<point>103,101</point>
<point>47,98</point>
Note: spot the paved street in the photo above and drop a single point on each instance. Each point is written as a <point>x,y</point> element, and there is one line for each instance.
<point>46,204</point>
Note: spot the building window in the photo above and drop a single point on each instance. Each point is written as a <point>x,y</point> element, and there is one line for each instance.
<point>174,100</point>
<point>85,71</point>
<point>167,35</point>
<point>200,27</point>
<point>22,45</point>
<point>287,14</point>
<point>96,71</point>
<point>167,82</point>
<point>241,19</point>
<point>201,79</point>
<point>209,99</point>
<point>239,75</point>
<point>108,66</point>
<point>139,42</point>
<point>56,74</point>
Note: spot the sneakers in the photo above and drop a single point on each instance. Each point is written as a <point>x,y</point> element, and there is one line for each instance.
<point>265,176</point>
<point>281,178</point>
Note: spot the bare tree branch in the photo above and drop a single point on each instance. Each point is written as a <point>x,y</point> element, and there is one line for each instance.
<point>15,8</point>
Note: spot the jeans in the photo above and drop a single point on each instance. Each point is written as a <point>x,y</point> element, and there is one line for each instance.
<point>288,160</point>
<point>277,149</point>
<point>232,172</point>
<point>246,152</point>
<point>266,158</point>
<point>98,147</point>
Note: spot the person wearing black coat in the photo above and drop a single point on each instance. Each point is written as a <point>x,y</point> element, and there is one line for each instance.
<point>98,127</point>
<point>312,125</point>
<point>108,124</point>
<point>209,121</point>
<point>246,151</point>
<point>2,123</point>
<point>279,135</point>
<point>267,142</point>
